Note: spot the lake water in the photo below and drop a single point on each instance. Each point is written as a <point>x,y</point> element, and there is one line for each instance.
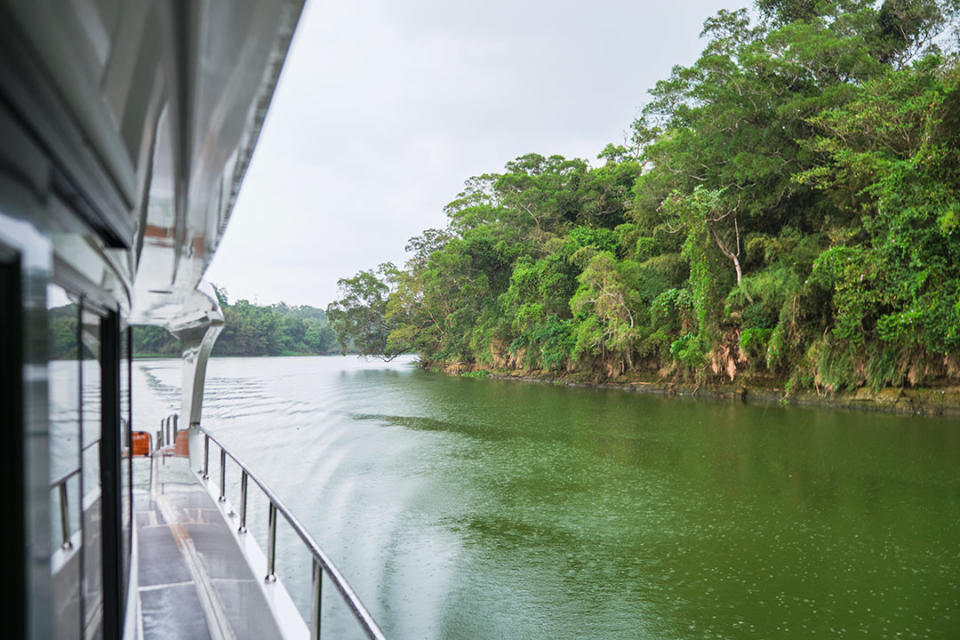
<point>474,509</point>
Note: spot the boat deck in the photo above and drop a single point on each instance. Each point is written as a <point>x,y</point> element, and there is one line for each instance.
<point>194,579</point>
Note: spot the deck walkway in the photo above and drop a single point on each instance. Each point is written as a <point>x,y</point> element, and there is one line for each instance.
<point>194,580</point>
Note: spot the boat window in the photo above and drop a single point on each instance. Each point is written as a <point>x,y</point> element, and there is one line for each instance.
<point>92,591</point>
<point>63,398</point>
<point>126,470</point>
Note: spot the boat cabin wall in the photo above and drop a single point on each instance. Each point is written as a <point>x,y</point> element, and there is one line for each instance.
<point>68,418</point>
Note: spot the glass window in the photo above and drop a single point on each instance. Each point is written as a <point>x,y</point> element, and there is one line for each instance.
<point>90,476</point>
<point>126,471</point>
<point>63,406</point>
<point>63,388</point>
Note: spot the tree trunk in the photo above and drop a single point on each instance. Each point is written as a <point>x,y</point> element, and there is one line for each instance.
<point>734,257</point>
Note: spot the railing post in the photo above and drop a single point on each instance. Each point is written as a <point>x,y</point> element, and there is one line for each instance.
<point>272,544</point>
<point>223,475</point>
<point>64,517</point>
<point>315,600</point>
<point>206,456</point>
<point>243,502</point>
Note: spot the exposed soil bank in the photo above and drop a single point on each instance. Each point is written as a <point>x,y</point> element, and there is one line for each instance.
<point>943,400</point>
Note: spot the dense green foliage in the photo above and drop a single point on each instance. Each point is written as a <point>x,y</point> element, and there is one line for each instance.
<point>358,318</point>
<point>275,330</point>
<point>249,330</point>
<point>789,206</point>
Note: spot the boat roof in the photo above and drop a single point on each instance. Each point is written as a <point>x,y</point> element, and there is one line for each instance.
<point>136,123</point>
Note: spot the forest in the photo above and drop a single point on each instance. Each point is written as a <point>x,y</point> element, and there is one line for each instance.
<point>249,330</point>
<point>787,207</point>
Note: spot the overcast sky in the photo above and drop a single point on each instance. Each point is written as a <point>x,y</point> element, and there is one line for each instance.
<point>384,108</point>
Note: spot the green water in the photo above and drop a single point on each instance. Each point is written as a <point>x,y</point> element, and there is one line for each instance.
<point>473,509</point>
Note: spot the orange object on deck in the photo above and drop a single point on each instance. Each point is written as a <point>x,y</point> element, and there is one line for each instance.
<point>141,443</point>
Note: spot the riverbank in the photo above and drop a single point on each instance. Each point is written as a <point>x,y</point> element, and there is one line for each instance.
<point>938,401</point>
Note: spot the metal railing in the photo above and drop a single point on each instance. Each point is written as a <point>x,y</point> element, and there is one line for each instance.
<point>61,484</point>
<point>167,435</point>
<point>321,563</point>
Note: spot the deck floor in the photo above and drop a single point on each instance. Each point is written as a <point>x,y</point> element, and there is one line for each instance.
<point>194,580</point>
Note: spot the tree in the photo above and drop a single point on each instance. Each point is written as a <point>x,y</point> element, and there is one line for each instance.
<point>708,211</point>
<point>604,307</point>
<point>359,316</point>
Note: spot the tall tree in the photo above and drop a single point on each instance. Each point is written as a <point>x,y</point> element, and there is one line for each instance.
<point>359,316</point>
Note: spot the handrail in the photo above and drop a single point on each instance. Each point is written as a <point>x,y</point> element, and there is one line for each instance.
<point>321,563</point>
<point>169,426</point>
<point>61,483</point>
<point>62,479</point>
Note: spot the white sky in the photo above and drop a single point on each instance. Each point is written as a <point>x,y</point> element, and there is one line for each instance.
<point>385,107</point>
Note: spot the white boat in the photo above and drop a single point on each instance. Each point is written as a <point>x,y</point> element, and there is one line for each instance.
<point>126,128</point>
